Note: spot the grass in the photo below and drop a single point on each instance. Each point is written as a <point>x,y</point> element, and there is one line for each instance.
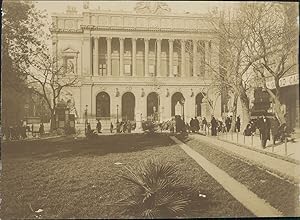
<point>69,178</point>
<point>279,193</point>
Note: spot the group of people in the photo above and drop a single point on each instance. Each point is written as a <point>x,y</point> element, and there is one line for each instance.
<point>19,131</point>
<point>267,127</point>
<point>122,127</point>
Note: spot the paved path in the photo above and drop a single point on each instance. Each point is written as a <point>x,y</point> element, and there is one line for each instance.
<point>284,168</point>
<point>250,200</point>
<point>291,150</point>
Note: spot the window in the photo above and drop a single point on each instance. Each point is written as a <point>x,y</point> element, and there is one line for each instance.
<point>151,70</point>
<point>127,69</point>
<point>102,69</point>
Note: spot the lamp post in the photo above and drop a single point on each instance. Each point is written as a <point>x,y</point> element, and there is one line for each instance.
<point>86,120</point>
<point>117,113</point>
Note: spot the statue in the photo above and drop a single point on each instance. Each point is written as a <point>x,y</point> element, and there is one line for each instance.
<point>86,5</point>
<point>152,8</point>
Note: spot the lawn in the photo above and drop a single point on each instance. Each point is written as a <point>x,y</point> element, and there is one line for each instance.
<point>69,178</point>
<point>279,193</point>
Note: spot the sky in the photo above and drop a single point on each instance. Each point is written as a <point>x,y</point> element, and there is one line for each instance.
<point>59,6</point>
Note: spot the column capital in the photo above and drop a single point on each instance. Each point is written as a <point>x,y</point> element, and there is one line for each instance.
<point>108,38</point>
<point>146,39</point>
<point>121,38</point>
<point>158,39</point>
<point>171,40</point>
<point>134,39</point>
<point>182,40</point>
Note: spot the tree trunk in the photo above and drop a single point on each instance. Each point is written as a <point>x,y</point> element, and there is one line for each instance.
<point>245,108</point>
<point>52,122</point>
<point>234,109</point>
<point>277,106</point>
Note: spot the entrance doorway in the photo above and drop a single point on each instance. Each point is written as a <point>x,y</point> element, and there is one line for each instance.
<point>176,103</point>
<point>102,105</point>
<point>128,106</point>
<point>199,101</point>
<point>153,106</point>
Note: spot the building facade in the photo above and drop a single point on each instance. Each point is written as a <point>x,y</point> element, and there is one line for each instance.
<point>134,65</point>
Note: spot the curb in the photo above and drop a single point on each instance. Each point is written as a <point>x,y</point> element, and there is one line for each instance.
<point>275,172</point>
<point>291,160</point>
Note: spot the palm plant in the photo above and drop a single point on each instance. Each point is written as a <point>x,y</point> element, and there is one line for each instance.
<point>156,190</point>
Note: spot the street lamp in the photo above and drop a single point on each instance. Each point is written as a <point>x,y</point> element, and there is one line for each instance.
<point>117,113</point>
<point>86,119</point>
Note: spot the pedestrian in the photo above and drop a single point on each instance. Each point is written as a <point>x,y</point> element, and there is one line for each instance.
<point>264,128</point>
<point>41,129</point>
<point>197,124</point>
<point>204,123</point>
<point>228,124</point>
<point>99,126</point>
<point>128,126</point>
<point>89,129</point>
<point>214,125</point>
<point>274,129</point>
<point>192,125</point>
<point>238,124</point>
<point>111,127</point>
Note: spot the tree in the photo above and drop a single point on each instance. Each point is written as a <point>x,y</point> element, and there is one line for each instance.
<point>48,77</point>
<point>233,72</point>
<point>21,33</point>
<point>276,33</point>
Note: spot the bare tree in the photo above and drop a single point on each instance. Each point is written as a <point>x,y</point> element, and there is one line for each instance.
<point>48,76</point>
<point>233,71</point>
<point>275,32</point>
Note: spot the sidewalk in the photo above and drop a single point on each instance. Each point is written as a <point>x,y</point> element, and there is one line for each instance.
<point>278,166</point>
<point>290,150</point>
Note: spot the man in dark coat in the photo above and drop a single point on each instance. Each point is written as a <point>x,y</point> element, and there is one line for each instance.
<point>264,128</point>
<point>228,123</point>
<point>99,126</point>
<point>214,125</point>
<point>197,125</point>
<point>238,124</point>
<point>274,128</point>
<point>192,125</point>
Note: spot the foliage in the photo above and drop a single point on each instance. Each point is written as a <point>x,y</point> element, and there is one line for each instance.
<point>156,191</point>
<point>276,35</point>
<point>21,34</point>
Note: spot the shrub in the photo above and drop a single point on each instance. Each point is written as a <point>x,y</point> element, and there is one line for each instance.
<point>156,191</point>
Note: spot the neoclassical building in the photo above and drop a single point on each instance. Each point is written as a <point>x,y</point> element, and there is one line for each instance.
<point>133,65</point>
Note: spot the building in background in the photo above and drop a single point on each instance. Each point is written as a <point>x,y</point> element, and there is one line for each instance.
<point>135,65</point>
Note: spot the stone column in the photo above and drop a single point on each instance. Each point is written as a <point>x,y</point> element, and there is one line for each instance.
<point>96,57</point>
<point>121,56</point>
<point>158,57</point>
<point>133,56</point>
<point>171,57</point>
<point>194,58</point>
<point>87,54</point>
<point>207,58</point>
<point>146,40</point>
<point>108,62</point>
<point>183,58</point>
